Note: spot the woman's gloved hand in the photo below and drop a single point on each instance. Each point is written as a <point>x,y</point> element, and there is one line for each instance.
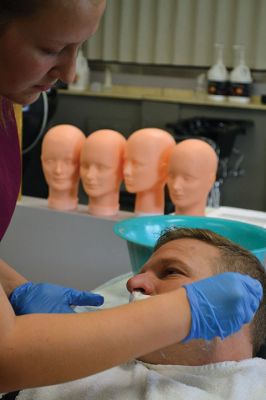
<point>221,304</point>
<point>46,298</point>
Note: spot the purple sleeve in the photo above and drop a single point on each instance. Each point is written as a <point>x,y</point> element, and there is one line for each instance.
<point>10,164</point>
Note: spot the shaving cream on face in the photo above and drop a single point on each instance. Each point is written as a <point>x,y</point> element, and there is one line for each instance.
<point>137,295</point>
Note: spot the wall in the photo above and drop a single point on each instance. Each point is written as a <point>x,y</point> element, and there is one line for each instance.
<point>69,248</point>
<point>180,32</point>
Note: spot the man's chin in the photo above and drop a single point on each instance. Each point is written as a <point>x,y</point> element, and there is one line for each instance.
<point>194,353</point>
<point>159,357</point>
<point>166,356</point>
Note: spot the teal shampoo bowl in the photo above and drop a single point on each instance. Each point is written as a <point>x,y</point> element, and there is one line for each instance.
<point>141,234</point>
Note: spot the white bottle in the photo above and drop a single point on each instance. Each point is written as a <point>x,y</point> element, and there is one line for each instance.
<point>218,77</point>
<point>240,78</point>
<point>107,79</point>
<point>82,78</point>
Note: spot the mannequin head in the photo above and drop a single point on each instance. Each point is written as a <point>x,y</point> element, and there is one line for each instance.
<point>60,156</point>
<point>101,165</point>
<point>145,169</point>
<point>191,175</point>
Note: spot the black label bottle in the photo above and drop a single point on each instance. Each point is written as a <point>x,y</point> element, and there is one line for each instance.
<point>218,77</point>
<point>240,79</point>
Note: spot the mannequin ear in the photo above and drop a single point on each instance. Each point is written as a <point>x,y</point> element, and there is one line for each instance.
<point>163,168</point>
<point>211,180</point>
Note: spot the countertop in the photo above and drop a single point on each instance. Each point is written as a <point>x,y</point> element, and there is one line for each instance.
<point>163,95</point>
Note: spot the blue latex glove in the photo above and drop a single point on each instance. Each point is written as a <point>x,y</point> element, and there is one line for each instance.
<point>47,298</point>
<point>220,305</point>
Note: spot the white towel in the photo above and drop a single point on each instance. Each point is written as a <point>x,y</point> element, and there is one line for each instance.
<point>114,292</point>
<point>244,380</point>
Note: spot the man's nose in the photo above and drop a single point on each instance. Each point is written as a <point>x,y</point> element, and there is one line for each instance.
<point>145,283</point>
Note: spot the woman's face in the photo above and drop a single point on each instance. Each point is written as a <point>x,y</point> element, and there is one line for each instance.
<point>41,49</point>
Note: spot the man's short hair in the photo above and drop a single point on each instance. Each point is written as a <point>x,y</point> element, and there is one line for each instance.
<point>233,258</point>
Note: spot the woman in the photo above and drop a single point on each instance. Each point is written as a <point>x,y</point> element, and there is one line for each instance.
<point>39,40</point>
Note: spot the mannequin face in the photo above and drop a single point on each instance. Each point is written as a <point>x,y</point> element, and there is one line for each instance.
<point>43,50</point>
<point>172,266</point>
<point>141,166</point>
<point>60,160</point>
<point>190,176</point>
<point>185,183</point>
<point>100,167</point>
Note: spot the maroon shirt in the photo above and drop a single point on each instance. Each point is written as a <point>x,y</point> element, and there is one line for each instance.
<point>10,164</point>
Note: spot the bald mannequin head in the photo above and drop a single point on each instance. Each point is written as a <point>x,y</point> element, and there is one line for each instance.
<point>60,156</point>
<point>145,169</point>
<point>101,165</point>
<point>191,174</point>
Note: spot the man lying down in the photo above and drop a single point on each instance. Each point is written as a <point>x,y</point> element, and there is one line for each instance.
<point>195,369</point>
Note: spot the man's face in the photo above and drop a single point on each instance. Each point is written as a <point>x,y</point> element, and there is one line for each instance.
<point>174,264</point>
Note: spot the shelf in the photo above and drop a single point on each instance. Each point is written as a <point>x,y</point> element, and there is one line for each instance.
<point>163,95</point>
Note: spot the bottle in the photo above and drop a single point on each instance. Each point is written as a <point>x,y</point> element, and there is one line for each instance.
<point>218,77</point>
<point>82,78</point>
<point>201,86</point>
<point>107,79</point>
<point>240,78</point>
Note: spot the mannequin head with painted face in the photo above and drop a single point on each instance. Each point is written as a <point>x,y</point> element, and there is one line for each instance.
<point>60,156</point>
<point>101,174</point>
<point>191,175</point>
<point>145,168</point>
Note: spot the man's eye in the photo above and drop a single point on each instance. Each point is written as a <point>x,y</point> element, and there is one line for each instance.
<point>171,271</point>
